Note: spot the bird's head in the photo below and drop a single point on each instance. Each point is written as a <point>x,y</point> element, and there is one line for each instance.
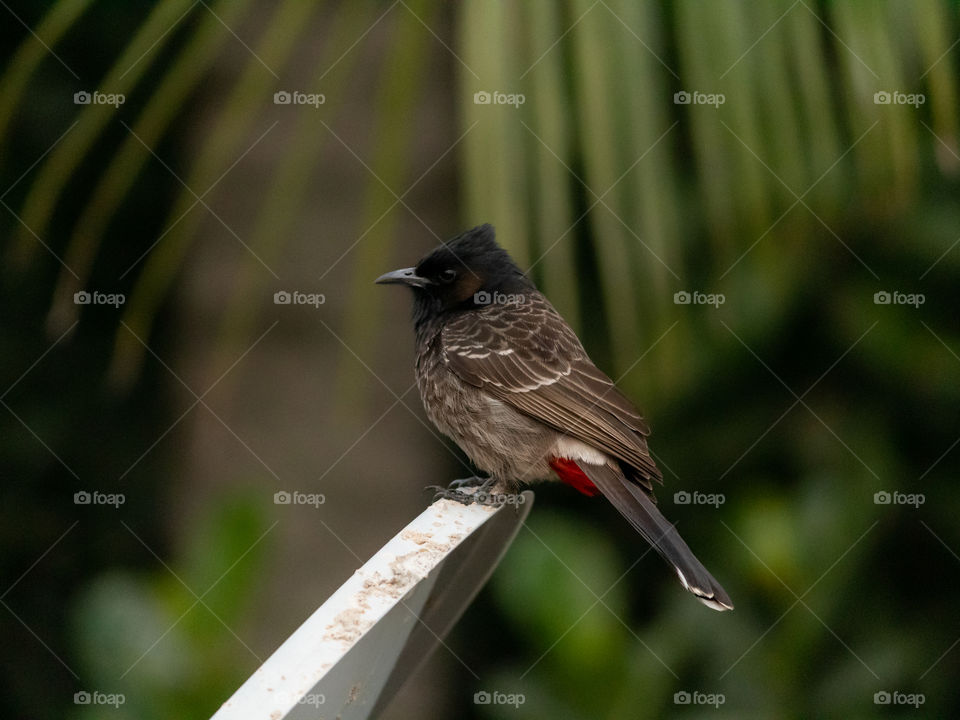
<point>464,272</point>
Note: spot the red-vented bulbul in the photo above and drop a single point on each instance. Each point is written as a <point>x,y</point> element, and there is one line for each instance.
<point>503,375</point>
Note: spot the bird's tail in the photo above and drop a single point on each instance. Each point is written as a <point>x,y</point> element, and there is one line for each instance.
<point>637,507</point>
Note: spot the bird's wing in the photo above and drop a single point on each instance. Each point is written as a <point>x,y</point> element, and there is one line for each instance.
<point>525,354</point>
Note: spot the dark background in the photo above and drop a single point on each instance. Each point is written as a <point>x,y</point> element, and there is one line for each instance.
<point>799,398</point>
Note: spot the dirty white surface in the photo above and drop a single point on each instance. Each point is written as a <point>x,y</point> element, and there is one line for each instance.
<point>335,664</point>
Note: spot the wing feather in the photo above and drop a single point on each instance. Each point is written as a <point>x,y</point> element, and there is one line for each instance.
<point>526,355</point>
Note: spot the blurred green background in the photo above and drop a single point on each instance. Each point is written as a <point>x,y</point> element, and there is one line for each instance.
<point>812,176</point>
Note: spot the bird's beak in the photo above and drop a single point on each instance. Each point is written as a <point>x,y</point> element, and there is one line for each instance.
<point>404,276</point>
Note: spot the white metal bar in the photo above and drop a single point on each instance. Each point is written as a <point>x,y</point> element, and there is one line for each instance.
<point>343,661</point>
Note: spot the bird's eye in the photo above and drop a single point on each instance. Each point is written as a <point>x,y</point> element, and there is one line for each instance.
<point>448,275</point>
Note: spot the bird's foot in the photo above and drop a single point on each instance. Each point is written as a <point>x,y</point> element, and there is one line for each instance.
<point>469,482</point>
<point>469,491</point>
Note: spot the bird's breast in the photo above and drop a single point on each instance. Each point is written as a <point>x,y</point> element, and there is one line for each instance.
<point>497,438</point>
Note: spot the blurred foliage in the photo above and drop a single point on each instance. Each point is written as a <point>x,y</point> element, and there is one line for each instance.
<point>165,627</point>
<point>799,398</point>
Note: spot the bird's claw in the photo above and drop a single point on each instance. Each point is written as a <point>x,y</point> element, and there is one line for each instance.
<point>469,498</point>
<point>468,491</point>
<point>472,481</point>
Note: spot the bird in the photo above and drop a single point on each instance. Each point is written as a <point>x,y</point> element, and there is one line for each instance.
<point>503,375</point>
